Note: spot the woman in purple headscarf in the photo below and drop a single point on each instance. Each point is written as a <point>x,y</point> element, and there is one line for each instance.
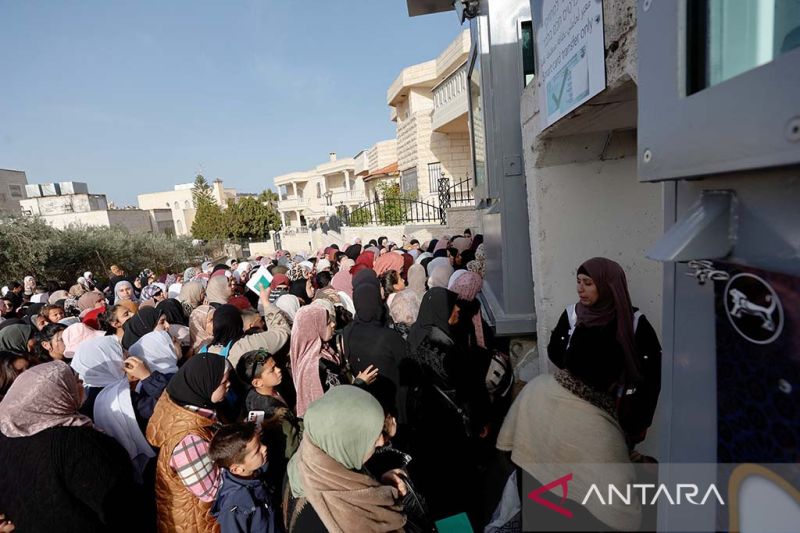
<point>605,343</point>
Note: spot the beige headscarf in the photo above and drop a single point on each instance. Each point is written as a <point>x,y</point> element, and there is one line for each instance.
<point>197,326</point>
<point>42,397</point>
<point>191,294</point>
<point>417,279</point>
<point>218,290</point>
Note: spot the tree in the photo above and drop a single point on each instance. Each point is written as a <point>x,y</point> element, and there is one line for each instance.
<point>251,218</point>
<point>209,222</point>
<point>201,192</point>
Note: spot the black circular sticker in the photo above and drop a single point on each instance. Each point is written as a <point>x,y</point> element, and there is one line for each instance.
<point>753,308</point>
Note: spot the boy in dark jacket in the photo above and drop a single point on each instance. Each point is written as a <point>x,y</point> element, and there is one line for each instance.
<point>244,501</point>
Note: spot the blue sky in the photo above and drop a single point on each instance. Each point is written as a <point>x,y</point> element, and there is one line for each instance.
<point>136,96</point>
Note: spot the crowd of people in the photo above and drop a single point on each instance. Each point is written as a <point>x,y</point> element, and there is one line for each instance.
<point>361,390</point>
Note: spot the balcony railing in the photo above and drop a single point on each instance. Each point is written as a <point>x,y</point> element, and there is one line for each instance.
<point>451,88</point>
<point>292,201</point>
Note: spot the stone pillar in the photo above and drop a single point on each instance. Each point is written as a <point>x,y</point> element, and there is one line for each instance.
<point>283,219</point>
<point>294,188</point>
<point>324,185</point>
<point>347,180</point>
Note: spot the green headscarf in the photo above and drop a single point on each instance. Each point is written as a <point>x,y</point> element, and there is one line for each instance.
<point>344,423</point>
<point>14,338</point>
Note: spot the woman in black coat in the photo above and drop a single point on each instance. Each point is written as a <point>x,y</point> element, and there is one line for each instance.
<point>368,340</point>
<point>59,473</point>
<point>448,406</point>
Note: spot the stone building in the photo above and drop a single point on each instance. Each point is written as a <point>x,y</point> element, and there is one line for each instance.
<point>12,190</point>
<point>429,103</point>
<point>70,204</point>
<point>179,201</point>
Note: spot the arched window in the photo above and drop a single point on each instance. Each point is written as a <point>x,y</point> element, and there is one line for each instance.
<point>176,205</point>
<point>187,204</point>
<point>179,225</point>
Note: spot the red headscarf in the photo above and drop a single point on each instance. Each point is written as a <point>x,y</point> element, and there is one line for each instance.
<point>364,261</point>
<point>280,279</point>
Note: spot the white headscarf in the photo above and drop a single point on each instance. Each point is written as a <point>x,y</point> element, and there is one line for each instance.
<point>156,349</point>
<point>347,302</point>
<point>114,414</point>
<point>436,263</point>
<point>422,257</point>
<point>40,298</point>
<point>289,304</point>
<point>117,287</point>
<point>99,361</point>
<point>174,290</point>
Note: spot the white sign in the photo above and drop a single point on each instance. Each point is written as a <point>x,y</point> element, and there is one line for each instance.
<point>571,54</point>
<point>261,279</point>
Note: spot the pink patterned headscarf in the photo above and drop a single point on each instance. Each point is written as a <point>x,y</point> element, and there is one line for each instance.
<point>467,286</point>
<point>306,350</point>
<point>43,397</point>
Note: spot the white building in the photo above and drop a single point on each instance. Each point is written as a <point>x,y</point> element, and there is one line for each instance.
<point>316,193</point>
<point>12,190</point>
<point>180,202</point>
<point>429,103</point>
<point>61,205</point>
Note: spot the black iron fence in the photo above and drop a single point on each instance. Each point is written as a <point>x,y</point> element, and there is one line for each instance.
<point>458,194</point>
<point>391,212</point>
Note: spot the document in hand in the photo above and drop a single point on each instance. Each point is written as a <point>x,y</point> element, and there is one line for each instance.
<point>261,279</point>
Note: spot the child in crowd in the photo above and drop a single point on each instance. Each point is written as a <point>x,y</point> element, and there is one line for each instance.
<point>244,502</point>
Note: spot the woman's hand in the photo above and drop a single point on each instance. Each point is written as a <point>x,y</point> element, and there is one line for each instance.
<point>397,479</point>
<point>5,525</point>
<point>368,375</point>
<point>136,368</point>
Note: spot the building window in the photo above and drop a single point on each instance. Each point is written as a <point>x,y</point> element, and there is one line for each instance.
<point>15,190</point>
<point>528,57</point>
<point>319,190</point>
<point>476,126</point>
<point>434,173</point>
<point>726,39</point>
<point>408,180</point>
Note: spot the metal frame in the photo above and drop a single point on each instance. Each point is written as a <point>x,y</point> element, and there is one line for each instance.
<point>717,129</point>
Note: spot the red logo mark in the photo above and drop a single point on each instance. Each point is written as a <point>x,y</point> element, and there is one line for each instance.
<point>535,495</point>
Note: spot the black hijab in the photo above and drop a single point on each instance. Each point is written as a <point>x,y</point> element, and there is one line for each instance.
<point>370,309</point>
<point>197,380</point>
<point>173,310</point>
<point>366,277</point>
<point>353,251</point>
<point>140,325</point>
<point>434,311</point>
<point>432,245</point>
<point>228,325</point>
<point>298,288</point>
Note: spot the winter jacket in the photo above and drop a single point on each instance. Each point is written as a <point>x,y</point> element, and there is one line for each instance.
<point>244,505</point>
<point>179,510</point>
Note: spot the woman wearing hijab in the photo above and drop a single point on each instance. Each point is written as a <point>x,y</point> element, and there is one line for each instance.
<point>218,291</point>
<point>48,448</point>
<point>191,296</point>
<point>467,286</point>
<point>417,280</point>
<point>353,251</point>
<point>404,310</point>
<point>158,353</point>
<point>439,275</point>
<point>17,338</point>
<point>183,423</point>
<point>124,295</point>
<point>315,367</point>
<point>343,280</point>
<point>604,314</point>
<point>201,327</point>
<point>112,405</point>
<point>388,261</point>
<point>447,402</point>
<point>228,337</point>
<point>328,488</point>
<point>364,261</point>
<point>368,341</point>
<point>146,320</point>
<point>289,304</point>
